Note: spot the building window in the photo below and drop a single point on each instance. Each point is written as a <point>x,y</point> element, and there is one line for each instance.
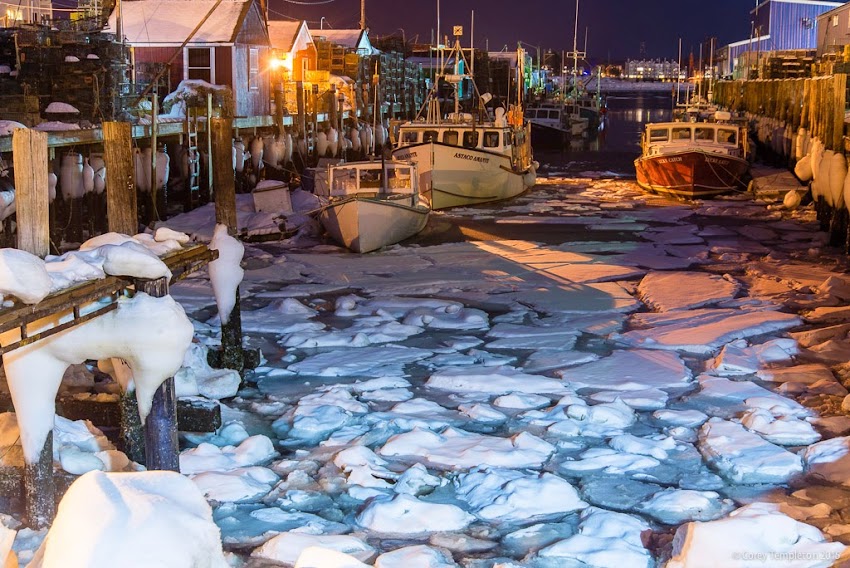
<point>200,64</point>
<point>253,69</point>
<point>835,21</point>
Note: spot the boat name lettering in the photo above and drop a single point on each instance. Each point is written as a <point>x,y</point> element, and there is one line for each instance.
<point>405,155</point>
<point>472,158</point>
<point>715,160</point>
<point>669,160</point>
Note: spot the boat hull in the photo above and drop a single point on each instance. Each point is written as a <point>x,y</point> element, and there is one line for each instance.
<point>547,137</point>
<point>452,176</point>
<point>691,174</point>
<point>363,224</point>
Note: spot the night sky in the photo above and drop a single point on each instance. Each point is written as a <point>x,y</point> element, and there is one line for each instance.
<point>617,28</point>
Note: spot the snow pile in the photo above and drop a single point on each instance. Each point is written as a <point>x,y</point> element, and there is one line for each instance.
<point>150,334</point>
<point>23,275</point>
<point>144,519</point>
<point>225,271</point>
<point>408,515</point>
<point>759,534</point>
<point>604,538</point>
<point>510,496</point>
<point>458,449</point>
<point>286,548</point>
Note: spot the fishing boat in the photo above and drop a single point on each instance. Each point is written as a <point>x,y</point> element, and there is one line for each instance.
<point>369,205</point>
<point>694,160</point>
<point>553,125</point>
<point>467,158</point>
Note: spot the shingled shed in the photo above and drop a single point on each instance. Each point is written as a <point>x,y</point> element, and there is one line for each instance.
<point>230,47</point>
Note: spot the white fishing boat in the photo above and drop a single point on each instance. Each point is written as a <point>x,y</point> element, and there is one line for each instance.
<point>468,158</point>
<point>369,205</point>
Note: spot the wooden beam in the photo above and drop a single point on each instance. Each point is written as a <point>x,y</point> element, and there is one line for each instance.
<point>120,182</point>
<point>33,203</point>
<point>224,182</point>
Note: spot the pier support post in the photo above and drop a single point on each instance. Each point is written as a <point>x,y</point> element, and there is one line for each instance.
<point>121,212</point>
<point>29,148</point>
<point>162,451</point>
<point>232,355</point>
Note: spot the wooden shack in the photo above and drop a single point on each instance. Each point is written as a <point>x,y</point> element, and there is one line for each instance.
<point>230,45</point>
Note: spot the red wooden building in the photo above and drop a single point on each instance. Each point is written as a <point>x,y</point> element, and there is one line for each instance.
<point>231,46</point>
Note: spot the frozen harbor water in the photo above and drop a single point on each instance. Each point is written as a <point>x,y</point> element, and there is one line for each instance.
<point>589,376</point>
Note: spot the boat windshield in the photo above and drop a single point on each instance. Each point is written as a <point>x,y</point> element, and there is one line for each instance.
<point>410,136</point>
<point>681,134</point>
<point>704,134</point>
<point>727,136</point>
<point>491,139</point>
<point>659,134</point>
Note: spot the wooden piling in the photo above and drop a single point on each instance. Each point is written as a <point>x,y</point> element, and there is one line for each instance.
<point>162,451</point>
<point>29,149</point>
<point>232,355</point>
<point>121,210</point>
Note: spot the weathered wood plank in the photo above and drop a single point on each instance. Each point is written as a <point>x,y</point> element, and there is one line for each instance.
<point>33,202</point>
<point>120,183</point>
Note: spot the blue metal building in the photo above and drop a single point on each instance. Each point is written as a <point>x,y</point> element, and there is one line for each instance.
<point>777,25</point>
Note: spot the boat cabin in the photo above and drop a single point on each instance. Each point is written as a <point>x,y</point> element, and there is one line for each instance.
<point>665,138</point>
<point>548,115</point>
<point>488,138</point>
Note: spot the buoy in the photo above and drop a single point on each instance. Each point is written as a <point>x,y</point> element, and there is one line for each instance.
<point>71,175</point>
<point>803,169</point>
<point>792,200</point>
<point>257,148</point>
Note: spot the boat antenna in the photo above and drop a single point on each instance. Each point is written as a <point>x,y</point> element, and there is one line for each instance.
<point>710,94</point>
<point>679,74</point>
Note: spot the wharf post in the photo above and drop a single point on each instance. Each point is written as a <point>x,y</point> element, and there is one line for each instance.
<point>122,217</point>
<point>30,161</point>
<point>232,355</point>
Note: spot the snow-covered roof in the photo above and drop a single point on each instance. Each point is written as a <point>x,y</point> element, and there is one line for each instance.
<point>289,36</point>
<point>172,21</point>
<point>352,39</point>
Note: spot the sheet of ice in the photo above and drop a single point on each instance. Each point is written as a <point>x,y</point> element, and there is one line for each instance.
<point>806,373</point>
<point>125,513</point>
<point>548,360</point>
<point>236,485</point>
<point>23,275</point>
<point>677,506</point>
<point>743,457</point>
<point>197,377</point>
<point>756,534</point>
<point>672,290</point>
<point>782,430</point>
<point>364,362</point>
<point>365,468</point>
<point>572,417</point>
<point>326,558</point>
<point>208,457</point>
<point>514,336</point>
<point>626,370</point>
<point>283,316</point>
<point>727,399</point>
<point>605,539</point>
<point>403,514</point>
<point>493,380</point>
<point>285,548</point>
<point>686,418</point>
<point>704,331</point>
<point>829,460</point>
<point>739,358</point>
<point>415,556</point>
<point>252,525</point>
<point>510,496</point>
<point>457,449</point>
<point>644,399</point>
